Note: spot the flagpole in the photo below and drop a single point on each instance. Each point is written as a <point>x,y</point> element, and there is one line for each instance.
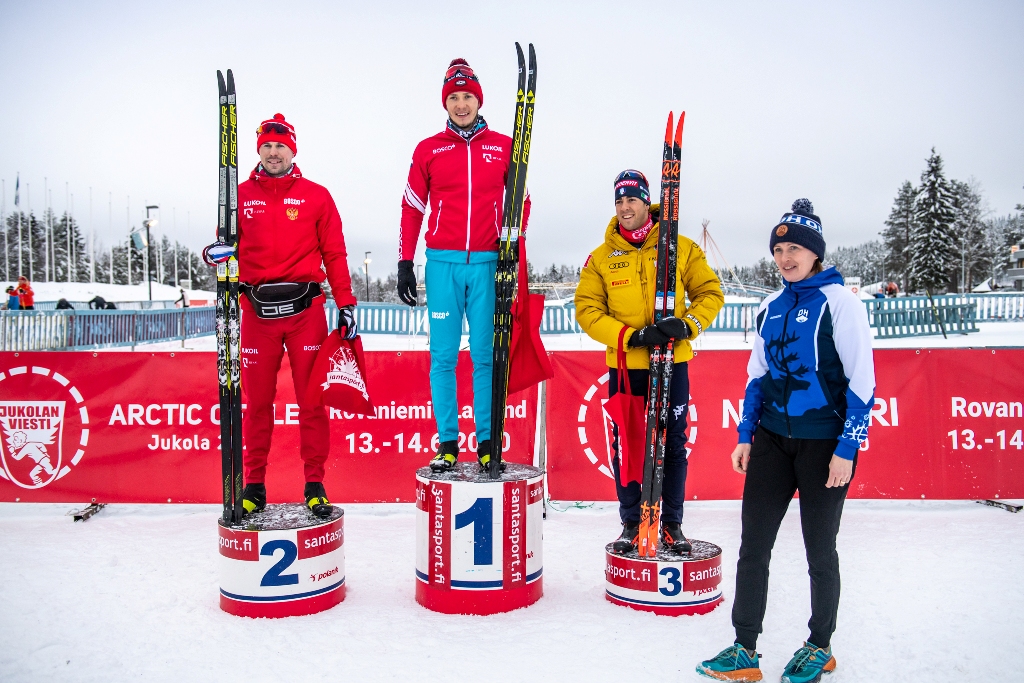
<point>67,223</point>
<point>17,205</point>
<point>128,222</point>
<point>31,222</point>
<point>3,221</point>
<point>92,242</point>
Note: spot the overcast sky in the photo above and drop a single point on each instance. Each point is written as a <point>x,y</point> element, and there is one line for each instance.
<point>837,102</point>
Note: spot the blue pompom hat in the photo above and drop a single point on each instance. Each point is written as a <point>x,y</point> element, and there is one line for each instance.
<point>800,226</point>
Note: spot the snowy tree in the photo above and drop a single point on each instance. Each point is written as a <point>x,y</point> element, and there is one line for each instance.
<point>866,261</point>
<point>933,239</point>
<point>970,229</point>
<point>896,235</point>
<point>1001,233</point>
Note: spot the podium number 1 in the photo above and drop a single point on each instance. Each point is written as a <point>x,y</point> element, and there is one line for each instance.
<point>480,514</point>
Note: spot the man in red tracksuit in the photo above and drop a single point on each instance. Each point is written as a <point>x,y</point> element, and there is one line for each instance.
<point>460,172</point>
<point>289,232</point>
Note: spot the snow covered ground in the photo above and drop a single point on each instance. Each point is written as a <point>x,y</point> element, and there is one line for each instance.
<point>931,591</point>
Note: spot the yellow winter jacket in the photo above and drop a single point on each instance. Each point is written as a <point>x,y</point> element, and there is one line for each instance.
<point>617,289</point>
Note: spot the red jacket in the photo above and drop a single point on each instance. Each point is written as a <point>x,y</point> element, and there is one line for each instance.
<point>465,185</point>
<point>26,297</point>
<point>290,231</point>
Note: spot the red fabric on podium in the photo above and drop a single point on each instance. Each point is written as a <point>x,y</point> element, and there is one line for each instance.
<point>630,415</point>
<point>528,361</point>
<point>338,379</point>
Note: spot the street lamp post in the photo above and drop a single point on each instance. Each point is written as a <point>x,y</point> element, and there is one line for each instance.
<point>149,223</point>
<point>366,269</point>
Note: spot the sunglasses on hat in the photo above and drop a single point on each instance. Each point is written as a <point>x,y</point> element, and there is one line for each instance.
<point>275,127</point>
<point>459,71</point>
<point>631,174</point>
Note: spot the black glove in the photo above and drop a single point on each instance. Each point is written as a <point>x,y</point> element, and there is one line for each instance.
<point>406,283</point>
<point>649,336</point>
<point>347,322</point>
<point>674,327</point>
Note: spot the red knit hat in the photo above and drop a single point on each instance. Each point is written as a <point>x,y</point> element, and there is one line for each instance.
<point>460,78</point>
<point>276,130</point>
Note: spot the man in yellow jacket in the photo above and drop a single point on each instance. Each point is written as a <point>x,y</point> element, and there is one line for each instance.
<point>616,291</point>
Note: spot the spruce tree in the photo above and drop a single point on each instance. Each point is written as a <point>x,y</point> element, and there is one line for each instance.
<point>974,259</point>
<point>933,239</point>
<point>896,234</point>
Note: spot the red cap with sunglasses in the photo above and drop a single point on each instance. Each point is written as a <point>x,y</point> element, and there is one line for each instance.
<point>460,78</point>
<point>276,130</point>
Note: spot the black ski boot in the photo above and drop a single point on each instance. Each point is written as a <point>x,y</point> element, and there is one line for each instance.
<point>447,456</point>
<point>254,498</point>
<point>627,541</point>
<point>483,456</point>
<point>316,499</point>
<point>672,538</point>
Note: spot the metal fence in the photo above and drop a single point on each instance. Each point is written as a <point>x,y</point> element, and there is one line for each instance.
<point>84,329</point>
<point>80,330</point>
<point>915,316</point>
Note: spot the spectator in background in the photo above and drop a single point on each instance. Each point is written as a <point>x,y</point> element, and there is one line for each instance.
<point>63,305</point>
<point>183,299</point>
<point>26,296</point>
<point>98,303</point>
<point>12,303</point>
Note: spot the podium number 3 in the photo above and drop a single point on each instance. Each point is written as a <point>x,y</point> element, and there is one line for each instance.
<point>273,576</point>
<point>480,514</point>
<point>672,576</point>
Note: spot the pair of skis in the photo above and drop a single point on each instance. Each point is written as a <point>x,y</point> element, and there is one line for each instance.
<point>662,357</point>
<point>229,363</point>
<point>506,279</point>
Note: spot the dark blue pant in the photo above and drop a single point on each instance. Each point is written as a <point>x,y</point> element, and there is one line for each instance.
<point>673,488</point>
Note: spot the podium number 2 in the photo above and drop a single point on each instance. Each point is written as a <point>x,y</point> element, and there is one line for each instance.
<point>480,514</point>
<point>672,576</point>
<point>273,576</point>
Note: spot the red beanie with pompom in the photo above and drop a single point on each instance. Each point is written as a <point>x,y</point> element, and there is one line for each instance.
<point>460,78</point>
<point>276,130</point>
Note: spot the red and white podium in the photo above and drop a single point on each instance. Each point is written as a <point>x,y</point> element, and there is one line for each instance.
<point>479,542</point>
<point>282,562</point>
<point>667,584</point>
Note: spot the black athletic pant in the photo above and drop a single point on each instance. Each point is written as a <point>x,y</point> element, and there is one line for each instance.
<point>673,487</point>
<point>778,467</point>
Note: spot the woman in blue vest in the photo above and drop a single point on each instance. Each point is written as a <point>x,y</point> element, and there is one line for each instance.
<point>810,389</point>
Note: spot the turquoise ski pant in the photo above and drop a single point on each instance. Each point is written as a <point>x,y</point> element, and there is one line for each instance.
<point>457,289</point>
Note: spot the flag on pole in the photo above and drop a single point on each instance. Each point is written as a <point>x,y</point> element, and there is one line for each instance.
<point>17,185</point>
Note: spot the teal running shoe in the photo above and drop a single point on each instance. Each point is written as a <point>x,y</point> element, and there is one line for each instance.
<point>808,664</point>
<point>734,663</point>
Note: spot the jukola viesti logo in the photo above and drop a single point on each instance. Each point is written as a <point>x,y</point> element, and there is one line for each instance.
<point>595,426</point>
<point>40,412</point>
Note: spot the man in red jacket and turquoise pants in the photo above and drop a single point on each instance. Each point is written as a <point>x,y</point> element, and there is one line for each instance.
<point>460,173</point>
<point>289,235</point>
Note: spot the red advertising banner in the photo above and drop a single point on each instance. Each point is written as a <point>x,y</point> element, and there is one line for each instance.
<point>947,423</point>
<point>144,428</point>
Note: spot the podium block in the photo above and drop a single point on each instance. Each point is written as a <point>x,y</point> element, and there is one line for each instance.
<point>668,584</point>
<point>282,562</point>
<point>479,542</point>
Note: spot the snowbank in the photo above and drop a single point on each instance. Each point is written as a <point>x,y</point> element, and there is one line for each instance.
<point>84,291</point>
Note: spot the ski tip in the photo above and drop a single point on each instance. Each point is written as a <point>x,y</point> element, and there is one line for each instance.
<point>679,128</point>
<point>220,80</point>
<point>231,80</point>
<point>533,54</point>
<point>519,52</point>
<point>668,128</point>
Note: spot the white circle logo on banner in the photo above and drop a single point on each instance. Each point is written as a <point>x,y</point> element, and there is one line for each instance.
<point>595,427</point>
<point>32,453</point>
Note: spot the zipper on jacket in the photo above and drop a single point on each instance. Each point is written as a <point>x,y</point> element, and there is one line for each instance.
<point>469,192</point>
<point>437,224</point>
<point>785,387</point>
